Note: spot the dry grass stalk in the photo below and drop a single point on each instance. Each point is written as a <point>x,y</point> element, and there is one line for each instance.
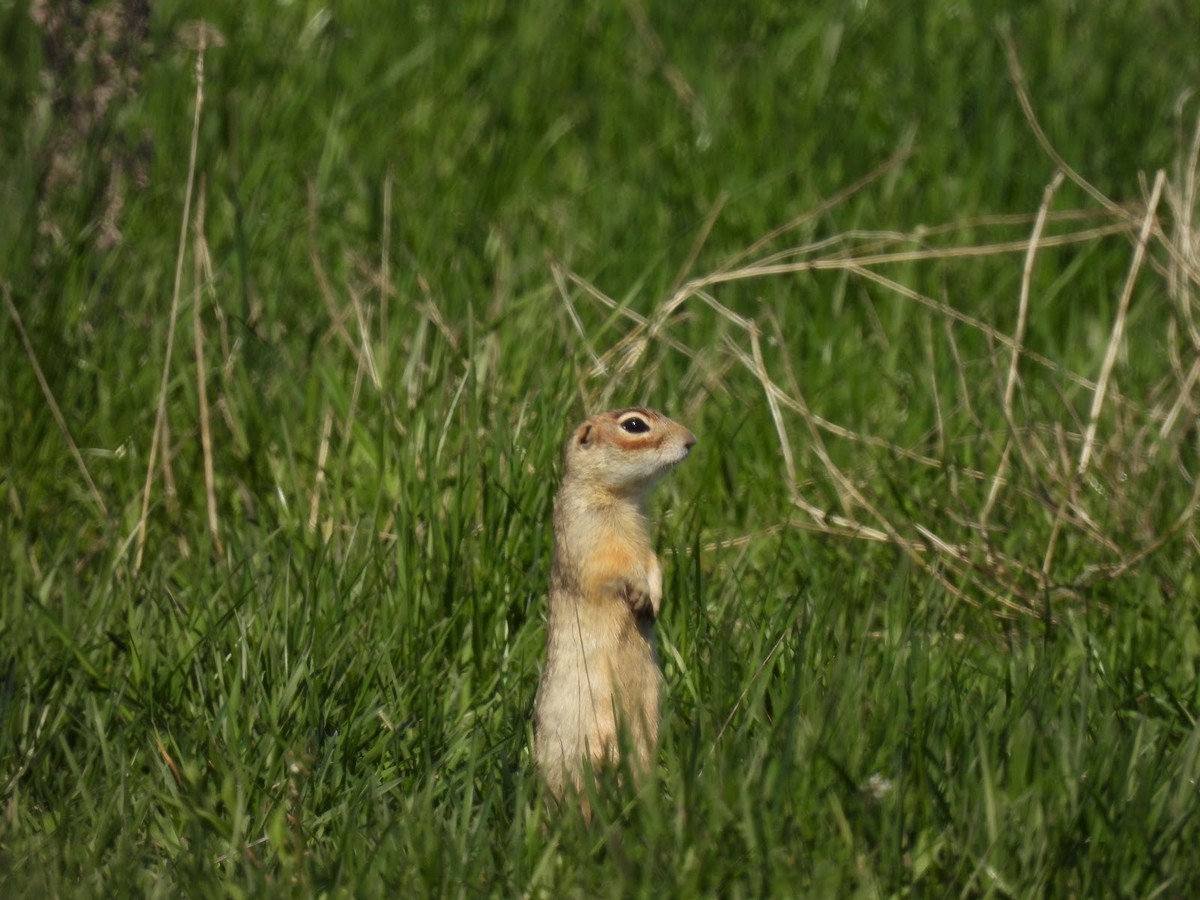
<point>386,289</point>
<point>1116,338</point>
<point>160,418</point>
<point>203,264</point>
<point>314,508</point>
<point>1010,387</point>
<point>1018,80</point>
<point>59,420</point>
<point>1118,331</point>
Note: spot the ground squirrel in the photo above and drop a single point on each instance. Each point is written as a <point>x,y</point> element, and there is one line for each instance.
<point>602,669</point>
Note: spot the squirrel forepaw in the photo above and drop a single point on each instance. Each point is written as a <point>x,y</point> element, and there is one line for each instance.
<point>638,601</point>
<point>642,600</point>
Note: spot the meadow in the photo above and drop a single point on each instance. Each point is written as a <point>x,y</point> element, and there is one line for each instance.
<point>301,301</point>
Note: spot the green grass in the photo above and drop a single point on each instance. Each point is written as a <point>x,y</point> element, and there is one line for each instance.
<point>329,691</point>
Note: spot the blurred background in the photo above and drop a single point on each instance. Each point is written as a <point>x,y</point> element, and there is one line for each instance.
<point>301,299</point>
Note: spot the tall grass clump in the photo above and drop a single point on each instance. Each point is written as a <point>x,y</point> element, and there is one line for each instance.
<point>300,302</point>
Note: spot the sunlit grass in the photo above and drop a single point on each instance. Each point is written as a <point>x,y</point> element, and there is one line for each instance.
<point>419,250</point>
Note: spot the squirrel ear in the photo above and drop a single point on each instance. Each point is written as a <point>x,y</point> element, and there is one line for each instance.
<point>583,439</point>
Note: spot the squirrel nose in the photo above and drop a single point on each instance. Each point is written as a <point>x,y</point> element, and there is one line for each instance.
<point>689,442</point>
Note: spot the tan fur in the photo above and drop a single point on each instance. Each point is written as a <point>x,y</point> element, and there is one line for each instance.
<point>602,676</point>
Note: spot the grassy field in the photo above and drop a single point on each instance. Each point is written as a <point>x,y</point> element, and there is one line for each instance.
<point>301,301</point>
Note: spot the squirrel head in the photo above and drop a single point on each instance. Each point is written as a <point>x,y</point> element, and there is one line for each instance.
<point>626,450</point>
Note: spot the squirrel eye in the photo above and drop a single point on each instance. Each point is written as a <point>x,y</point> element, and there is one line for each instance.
<point>634,425</point>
